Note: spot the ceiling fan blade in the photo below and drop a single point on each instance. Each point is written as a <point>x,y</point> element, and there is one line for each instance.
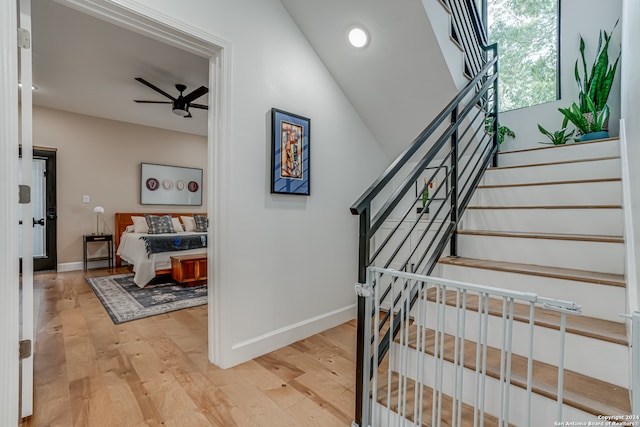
<point>200,106</point>
<point>152,102</point>
<point>157,89</point>
<point>195,94</point>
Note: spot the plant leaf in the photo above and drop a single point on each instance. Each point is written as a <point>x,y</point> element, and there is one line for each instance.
<point>544,131</point>
<point>574,115</point>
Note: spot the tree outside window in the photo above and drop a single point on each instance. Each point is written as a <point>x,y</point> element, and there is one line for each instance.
<point>527,35</point>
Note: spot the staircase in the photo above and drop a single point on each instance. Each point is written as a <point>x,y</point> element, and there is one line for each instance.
<point>491,336</point>
<point>549,221</point>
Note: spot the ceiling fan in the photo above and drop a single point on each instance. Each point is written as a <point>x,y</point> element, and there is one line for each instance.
<point>182,103</point>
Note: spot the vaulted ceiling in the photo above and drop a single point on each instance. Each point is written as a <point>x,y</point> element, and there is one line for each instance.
<point>397,83</point>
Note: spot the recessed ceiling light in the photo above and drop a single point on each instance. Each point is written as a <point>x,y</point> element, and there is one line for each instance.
<point>358,37</point>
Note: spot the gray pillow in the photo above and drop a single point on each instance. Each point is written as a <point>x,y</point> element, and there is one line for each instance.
<point>202,223</point>
<point>159,224</point>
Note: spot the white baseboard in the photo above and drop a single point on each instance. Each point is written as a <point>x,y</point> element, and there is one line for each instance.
<point>263,344</point>
<point>79,265</point>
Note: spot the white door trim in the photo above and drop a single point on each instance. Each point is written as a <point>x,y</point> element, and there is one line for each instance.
<point>9,291</point>
<point>149,22</point>
<point>26,141</point>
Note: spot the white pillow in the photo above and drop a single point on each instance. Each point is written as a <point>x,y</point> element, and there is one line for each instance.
<point>189,223</point>
<point>177,227</point>
<point>140,224</point>
<point>130,229</point>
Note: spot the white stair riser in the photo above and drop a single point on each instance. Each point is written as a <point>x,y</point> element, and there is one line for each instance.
<point>558,154</point>
<point>599,222</point>
<point>602,257</point>
<point>607,361</point>
<point>598,169</point>
<point>580,194</point>
<point>599,301</point>
<point>384,417</point>
<point>543,410</point>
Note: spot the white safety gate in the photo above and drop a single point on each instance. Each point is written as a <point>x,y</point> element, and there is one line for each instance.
<point>436,369</point>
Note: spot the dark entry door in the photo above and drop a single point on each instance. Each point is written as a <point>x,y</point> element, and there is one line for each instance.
<point>43,200</point>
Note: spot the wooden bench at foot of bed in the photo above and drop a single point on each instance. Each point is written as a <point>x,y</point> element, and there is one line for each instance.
<point>189,270</point>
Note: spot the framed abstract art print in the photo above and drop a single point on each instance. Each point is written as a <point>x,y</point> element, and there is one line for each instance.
<point>290,159</point>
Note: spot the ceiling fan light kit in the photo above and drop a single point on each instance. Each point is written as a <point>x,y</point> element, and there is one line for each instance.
<point>181,104</point>
<point>180,110</point>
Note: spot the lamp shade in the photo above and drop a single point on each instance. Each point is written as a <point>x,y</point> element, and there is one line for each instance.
<point>98,210</point>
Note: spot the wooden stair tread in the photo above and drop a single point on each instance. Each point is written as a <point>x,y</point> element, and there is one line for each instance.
<point>580,391</point>
<point>539,270</point>
<point>600,329</point>
<point>562,162</point>
<point>427,402</point>
<point>555,147</point>
<point>550,236</point>
<point>534,184</point>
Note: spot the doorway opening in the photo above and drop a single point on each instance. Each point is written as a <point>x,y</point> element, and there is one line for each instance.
<point>153,24</point>
<point>44,211</point>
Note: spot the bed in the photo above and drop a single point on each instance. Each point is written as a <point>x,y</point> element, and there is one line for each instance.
<point>132,247</point>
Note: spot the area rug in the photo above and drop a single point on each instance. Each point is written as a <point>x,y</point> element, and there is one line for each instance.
<point>125,301</point>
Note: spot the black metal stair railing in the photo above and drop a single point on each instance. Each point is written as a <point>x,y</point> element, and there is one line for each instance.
<point>410,214</point>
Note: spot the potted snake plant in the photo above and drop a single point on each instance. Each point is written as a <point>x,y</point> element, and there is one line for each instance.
<point>589,130</point>
<point>558,137</point>
<point>596,85</point>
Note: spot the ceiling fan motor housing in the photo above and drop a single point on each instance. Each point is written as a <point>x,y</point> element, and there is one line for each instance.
<point>180,108</point>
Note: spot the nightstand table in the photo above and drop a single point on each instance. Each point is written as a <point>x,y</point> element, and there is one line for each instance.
<point>97,238</point>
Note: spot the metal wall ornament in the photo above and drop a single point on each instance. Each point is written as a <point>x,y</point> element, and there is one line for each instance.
<point>290,158</point>
<point>170,185</point>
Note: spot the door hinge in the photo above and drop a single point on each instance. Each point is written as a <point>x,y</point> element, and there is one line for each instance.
<point>25,349</point>
<point>24,194</point>
<point>24,39</point>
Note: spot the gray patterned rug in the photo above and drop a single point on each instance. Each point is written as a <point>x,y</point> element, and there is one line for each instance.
<point>125,301</point>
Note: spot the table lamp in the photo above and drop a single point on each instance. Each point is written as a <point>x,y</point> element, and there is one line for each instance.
<point>98,210</point>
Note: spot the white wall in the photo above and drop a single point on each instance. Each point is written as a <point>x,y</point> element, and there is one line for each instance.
<point>630,108</point>
<point>578,17</point>
<point>291,261</point>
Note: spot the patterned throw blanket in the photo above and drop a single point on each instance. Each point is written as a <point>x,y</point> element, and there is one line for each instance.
<point>164,243</point>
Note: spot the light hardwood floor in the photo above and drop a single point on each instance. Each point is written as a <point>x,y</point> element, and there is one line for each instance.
<point>155,371</point>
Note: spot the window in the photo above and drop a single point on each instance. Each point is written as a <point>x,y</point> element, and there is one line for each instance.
<point>527,35</point>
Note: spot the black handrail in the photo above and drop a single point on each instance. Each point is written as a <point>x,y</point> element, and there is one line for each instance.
<point>363,205</point>
<point>461,167</point>
<point>367,197</point>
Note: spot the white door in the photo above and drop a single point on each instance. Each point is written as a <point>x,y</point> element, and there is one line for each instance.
<point>26,141</point>
<point>9,286</point>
